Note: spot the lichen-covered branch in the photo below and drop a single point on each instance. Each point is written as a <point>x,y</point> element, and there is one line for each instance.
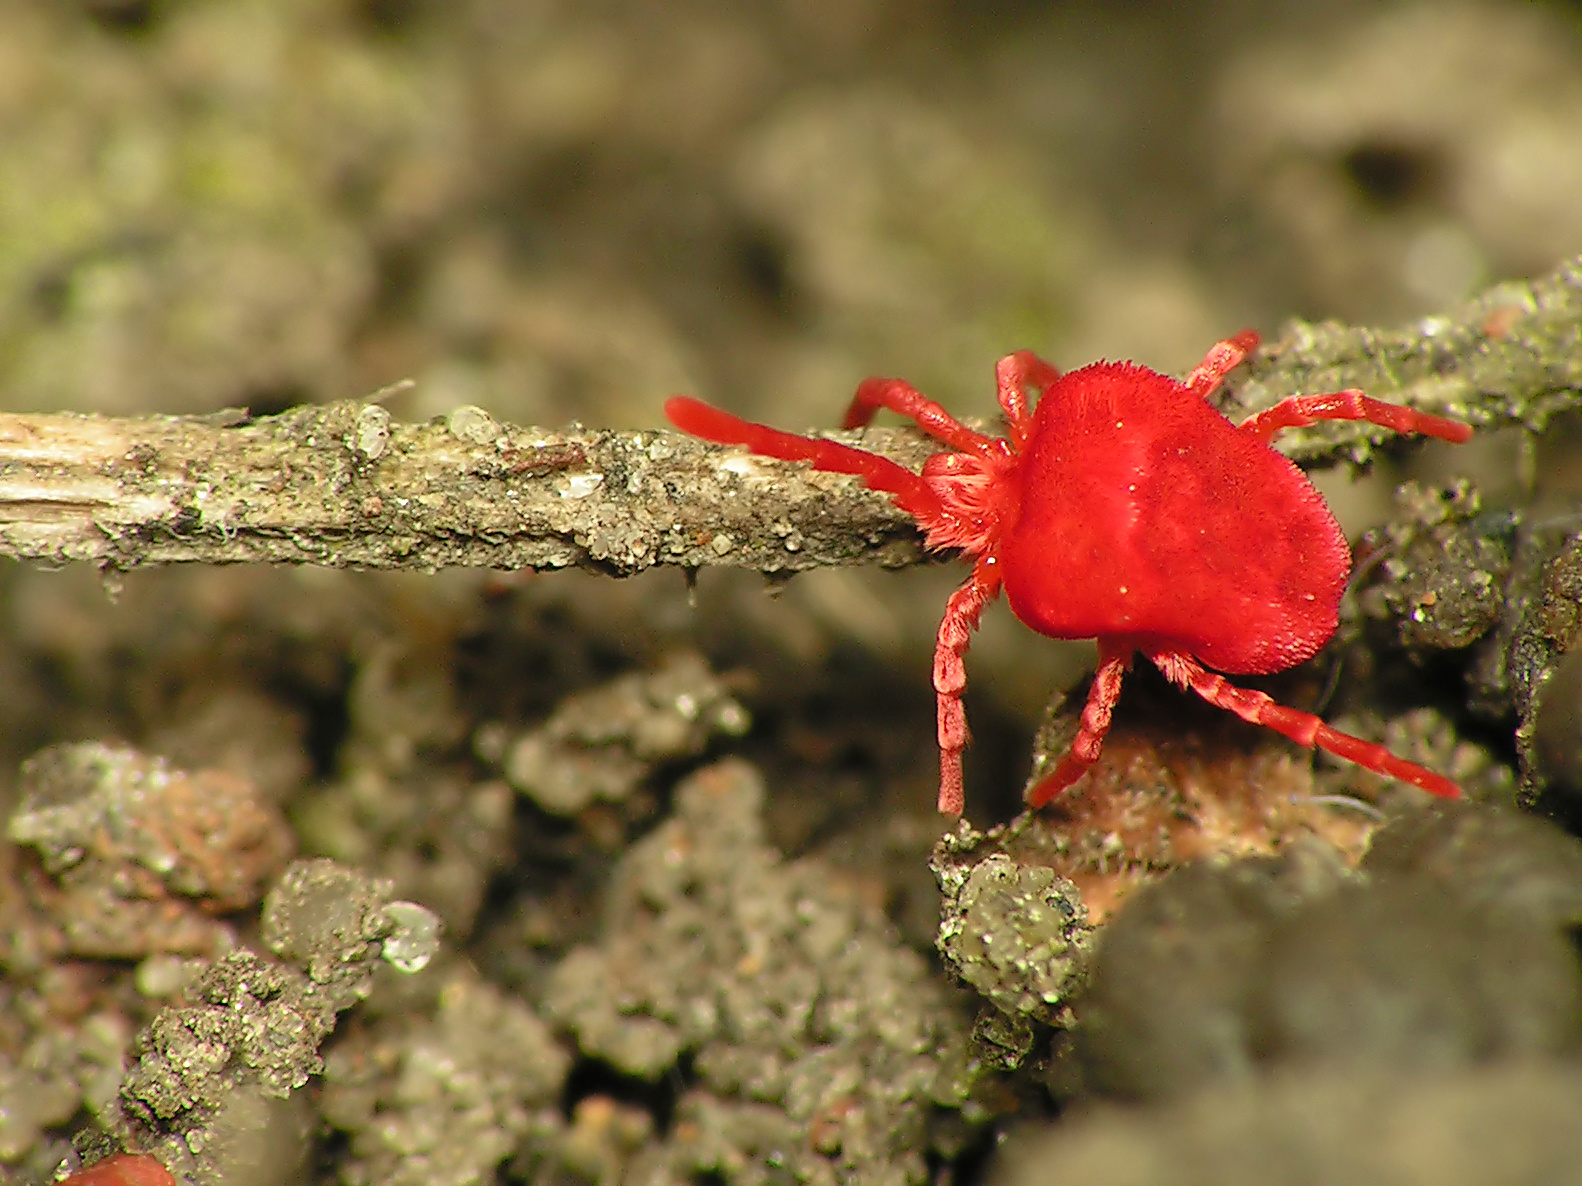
<point>343,485</point>
<point>1511,356</point>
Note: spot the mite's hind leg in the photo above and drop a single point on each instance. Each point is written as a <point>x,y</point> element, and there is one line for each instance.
<point>1301,727</point>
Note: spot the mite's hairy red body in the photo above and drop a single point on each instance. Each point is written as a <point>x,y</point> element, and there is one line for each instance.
<point>1124,509</point>
<point>1147,491</point>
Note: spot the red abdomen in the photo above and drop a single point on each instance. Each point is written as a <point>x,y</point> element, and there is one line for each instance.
<point>1144,513</point>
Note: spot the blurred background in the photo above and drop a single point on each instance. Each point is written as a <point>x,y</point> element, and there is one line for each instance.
<point>570,209</point>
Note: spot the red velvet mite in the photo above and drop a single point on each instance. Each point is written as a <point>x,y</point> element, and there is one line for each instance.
<point>1124,508</point>
<point>123,1169</point>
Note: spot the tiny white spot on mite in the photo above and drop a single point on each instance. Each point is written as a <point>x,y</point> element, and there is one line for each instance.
<point>1123,588</point>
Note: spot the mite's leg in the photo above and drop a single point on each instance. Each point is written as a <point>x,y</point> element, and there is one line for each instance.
<point>962,612</point>
<point>1096,714</point>
<point>911,493</point>
<point>1013,374</point>
<point>1302,410</point>
<point>1222,358</point>
<point>898,396</point>
<point>1301,727</point>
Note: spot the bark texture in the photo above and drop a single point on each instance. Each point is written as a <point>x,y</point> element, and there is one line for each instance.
<point>345,486</point>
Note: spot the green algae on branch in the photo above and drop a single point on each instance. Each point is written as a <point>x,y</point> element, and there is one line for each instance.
<point>1510,356</point>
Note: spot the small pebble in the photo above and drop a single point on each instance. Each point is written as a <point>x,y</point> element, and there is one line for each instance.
<point>373,431</point>
<point>415,939</point>
<point>471,423</point>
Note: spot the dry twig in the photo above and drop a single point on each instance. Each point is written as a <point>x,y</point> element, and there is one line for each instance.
<point>343,485</point>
